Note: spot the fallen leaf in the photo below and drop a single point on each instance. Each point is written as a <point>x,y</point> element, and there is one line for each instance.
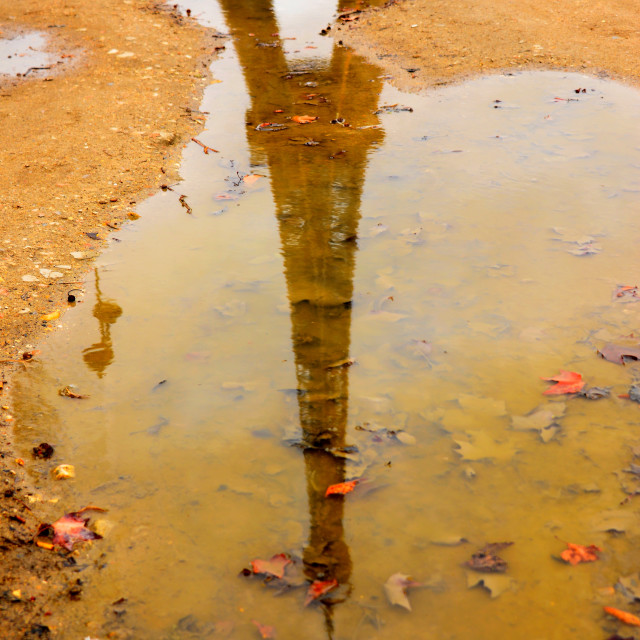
<point>251,178</point>
<point>304,119</point>
<point>595,393</point>
<point>275,566</point>
<point>319,588</point>
<point>566,382</point>
<point>481,446</point>
<point>341,488</point>
<point>494,584</point>
<point>71,528</point>
<point>577,553</point>
<point>50,316</point>
<point>624,616</point>
<point>486,559</point>
<point>396,587</point>
<point>265,630</point>
<point>619,353</point>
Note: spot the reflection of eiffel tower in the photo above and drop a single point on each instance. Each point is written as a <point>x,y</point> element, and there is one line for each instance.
<point>317,202</point>
<point>100,355</point>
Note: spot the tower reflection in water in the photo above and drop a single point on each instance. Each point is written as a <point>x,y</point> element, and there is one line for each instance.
<point>100,354</point>
<point>317,174</point>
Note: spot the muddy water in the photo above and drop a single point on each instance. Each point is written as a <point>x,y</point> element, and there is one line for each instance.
<point>379,304</point>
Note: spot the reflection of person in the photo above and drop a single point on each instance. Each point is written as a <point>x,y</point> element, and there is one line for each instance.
<point>100,355</point>
<point>317,188</point>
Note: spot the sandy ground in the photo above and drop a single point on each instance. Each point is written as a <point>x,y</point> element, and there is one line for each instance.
<point>423,43</point>
<point>82,145</point>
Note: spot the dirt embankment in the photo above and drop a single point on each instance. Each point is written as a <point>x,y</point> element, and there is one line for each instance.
<point>82,143</point>
<point>423,43</point>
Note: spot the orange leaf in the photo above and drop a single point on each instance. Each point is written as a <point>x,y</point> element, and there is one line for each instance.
<point>577,553</point>
<point>304,119</point>
<point>275,566</point>
<point>318,588</point>
<point>566,382</point>
<point>341,488</point>
<point>71,528</point>
<point>251,178</point>
<point>627,618</point>
<point>50,316</point>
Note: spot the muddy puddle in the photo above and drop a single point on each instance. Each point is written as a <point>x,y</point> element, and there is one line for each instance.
<point>373,295</point>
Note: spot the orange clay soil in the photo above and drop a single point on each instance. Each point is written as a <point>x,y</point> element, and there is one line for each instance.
<point>422,43</point>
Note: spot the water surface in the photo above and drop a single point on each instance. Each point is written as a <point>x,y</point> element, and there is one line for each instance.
<point>380,303</point>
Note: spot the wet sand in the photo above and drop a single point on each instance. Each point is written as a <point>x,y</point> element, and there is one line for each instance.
<point>82,143</point>
<point>420,43</point>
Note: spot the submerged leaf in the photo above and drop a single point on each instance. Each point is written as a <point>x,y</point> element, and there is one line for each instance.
<point>71,528</point>
<point>396,589</point>
<point>577,553</point>
<point>265,630</point>
<point>566,382</point>
<point>483,446</point>
<point>486,559</point>
<point>304,119</point>
<point>494,584</point>
<point>275,566</point>
<point>319,588</point>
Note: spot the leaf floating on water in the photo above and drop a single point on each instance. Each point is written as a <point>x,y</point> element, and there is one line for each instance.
<point>275,566</point>
<point>341,488</point>
<point>341,364</point>
<point>304,119</point>
<point>318,589</point>
<point>577,553</point>
<point>495,584</point>
<point>619,353</point>
<point>566,382</point>
<point>487,560</point>
<point>392,108</point>
<point>624,616</point>
<point>396,587</point>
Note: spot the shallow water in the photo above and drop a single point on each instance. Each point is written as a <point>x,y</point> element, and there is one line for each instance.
<point>23,54</point>
<point>436,249</point>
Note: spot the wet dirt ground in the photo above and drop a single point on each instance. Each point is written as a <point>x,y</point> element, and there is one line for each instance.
<point>42,233</point>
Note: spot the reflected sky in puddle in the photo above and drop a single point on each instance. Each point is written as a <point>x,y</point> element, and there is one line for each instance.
<point>440,249</point>
<point>21,53</point>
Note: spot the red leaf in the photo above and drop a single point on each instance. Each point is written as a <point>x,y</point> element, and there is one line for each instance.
<point>341,488</point>
<point>318,588</point>
<point>265,630</point>
<point>577,553</point>
<point>274,567</point>
<point>566,382</point>
<point>71,528</point>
